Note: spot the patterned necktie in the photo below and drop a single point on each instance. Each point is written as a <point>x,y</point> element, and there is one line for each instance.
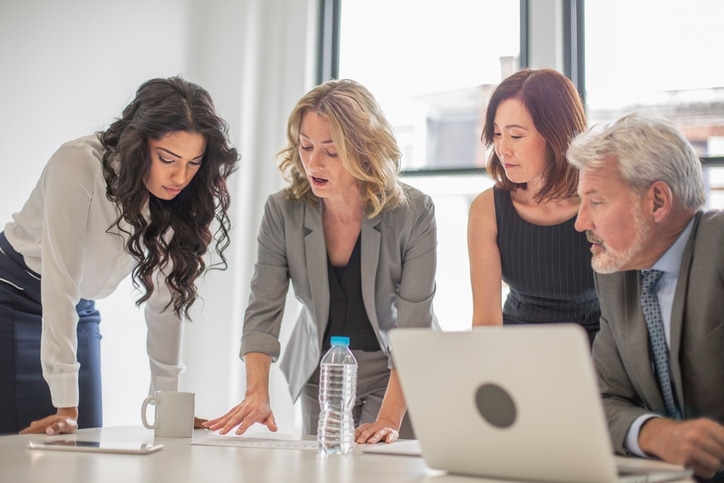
<point>652,314</point>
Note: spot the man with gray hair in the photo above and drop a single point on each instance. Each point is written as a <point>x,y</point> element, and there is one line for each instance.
<point>659,262</point>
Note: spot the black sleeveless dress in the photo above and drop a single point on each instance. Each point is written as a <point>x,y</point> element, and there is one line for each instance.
<point>548,270</point>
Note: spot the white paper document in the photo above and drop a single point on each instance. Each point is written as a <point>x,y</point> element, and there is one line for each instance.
<point>254,442</point>
<point>403,447</point>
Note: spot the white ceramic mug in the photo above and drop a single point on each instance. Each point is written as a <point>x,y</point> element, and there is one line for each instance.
<point>174,415</point>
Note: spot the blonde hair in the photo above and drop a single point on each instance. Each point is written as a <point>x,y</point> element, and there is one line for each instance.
<point>364,140</point>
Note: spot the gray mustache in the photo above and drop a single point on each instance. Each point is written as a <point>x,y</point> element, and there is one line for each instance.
<point>593,239</point>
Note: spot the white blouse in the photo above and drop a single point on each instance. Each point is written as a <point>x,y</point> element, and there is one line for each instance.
<point>62,233</point>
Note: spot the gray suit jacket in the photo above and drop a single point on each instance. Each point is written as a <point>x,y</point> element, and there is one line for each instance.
<point>398,258</point>
<point>621,350</point>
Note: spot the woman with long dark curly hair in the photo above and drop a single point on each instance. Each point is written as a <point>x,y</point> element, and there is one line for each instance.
<point>139,198</point>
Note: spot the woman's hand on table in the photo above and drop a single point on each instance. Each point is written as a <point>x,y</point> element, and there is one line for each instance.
<point>251,410</point>
<point>65,420</point>
<point>379,431</point>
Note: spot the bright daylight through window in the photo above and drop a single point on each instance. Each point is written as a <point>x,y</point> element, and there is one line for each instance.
<point>431,64</point>
<point>661,57</point>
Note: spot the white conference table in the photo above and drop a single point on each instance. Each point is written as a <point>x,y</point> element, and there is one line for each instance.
<point>182,462</point>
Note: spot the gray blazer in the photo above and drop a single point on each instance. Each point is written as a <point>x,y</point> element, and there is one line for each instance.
<point>621,351</point>
<point>398,258</point>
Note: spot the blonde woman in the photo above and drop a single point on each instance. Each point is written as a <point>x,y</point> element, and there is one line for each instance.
<point>360,250</point>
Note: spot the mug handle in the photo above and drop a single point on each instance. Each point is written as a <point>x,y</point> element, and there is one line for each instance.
<point>144,406</point>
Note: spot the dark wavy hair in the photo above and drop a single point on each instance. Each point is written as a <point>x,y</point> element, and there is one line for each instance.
<point>177,233</point>
<point>558,114</point>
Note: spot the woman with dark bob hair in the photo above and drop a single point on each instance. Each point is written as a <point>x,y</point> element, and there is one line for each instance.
<point>521,231</point>
<point>139,198</point>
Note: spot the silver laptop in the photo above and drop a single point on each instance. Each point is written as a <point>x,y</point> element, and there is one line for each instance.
<point>516,402</point>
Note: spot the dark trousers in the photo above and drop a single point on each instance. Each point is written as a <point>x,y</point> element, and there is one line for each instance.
<point>591,330</point>
<point>24,394</point>
<point>372,378</point>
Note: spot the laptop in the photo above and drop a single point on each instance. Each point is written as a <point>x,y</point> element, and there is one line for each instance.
<point>516,402</point>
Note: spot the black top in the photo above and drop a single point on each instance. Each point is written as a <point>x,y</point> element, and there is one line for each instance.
<point>548,269</point>
<point>347,314</point>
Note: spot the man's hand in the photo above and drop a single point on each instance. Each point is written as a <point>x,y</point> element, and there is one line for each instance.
<point>697,443</point>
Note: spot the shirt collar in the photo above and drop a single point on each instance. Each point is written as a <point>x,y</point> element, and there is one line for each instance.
<point>671,260</point>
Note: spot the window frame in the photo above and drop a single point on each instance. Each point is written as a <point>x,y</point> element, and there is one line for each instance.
<point>328,62</point>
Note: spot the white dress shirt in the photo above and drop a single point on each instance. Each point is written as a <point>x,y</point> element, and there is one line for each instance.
<point>63,234</point>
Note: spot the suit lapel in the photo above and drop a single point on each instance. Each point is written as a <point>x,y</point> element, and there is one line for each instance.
<point>370,257</point>
<point>315,250</point>
<point>677,313</point>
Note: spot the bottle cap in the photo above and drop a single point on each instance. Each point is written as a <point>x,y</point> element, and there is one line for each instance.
<point>339,340</point>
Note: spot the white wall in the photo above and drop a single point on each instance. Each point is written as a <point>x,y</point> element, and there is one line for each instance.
<point>68,68</point>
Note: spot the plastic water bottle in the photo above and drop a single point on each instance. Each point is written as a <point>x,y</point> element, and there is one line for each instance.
<point>337,391</point>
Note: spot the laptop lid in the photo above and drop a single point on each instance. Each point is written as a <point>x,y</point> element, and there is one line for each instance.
<point>518,402</point>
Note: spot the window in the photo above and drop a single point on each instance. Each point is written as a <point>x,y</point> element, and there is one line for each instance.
<point>661,57</point>
<point>431,64</point>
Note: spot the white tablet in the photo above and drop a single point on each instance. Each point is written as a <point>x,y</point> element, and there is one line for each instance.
<point>95,446</point>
